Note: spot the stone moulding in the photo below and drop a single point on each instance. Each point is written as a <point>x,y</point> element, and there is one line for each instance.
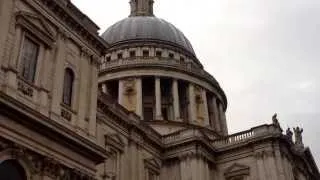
<point>42,31</point>
<point>78,22</point>
<point>237,170</point>
<point>40,164</point>
<point>56,132</point>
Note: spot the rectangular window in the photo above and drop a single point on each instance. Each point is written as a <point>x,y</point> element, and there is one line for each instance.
<point>148,114</point>
<point>158,53</point>
<point>120,56</point>
<point>29,56</point>
<point>132,53</point>
<point>145,53</point>
<point>108,58</point>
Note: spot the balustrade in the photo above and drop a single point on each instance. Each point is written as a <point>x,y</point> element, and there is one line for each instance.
<point>253,133</point>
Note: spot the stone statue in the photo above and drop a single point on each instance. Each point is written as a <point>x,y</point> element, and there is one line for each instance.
<point>298,136</point>
<point>275,120</point>
<point>289,133</point>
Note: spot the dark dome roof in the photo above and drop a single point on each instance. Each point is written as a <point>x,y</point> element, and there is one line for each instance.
<point>146,28</point>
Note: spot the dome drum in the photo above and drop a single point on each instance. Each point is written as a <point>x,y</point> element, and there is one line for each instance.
<point>164,99</point>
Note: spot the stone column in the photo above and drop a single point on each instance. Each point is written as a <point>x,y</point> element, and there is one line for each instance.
<point>223,120</point>
<point>158,99</point>
<point>192,104</point>
<point>176,105</point>
<point>216,121</point>
<point>139,110</point>
<point>93,99</point>
<point>205,106</point>
<point>120,94</point>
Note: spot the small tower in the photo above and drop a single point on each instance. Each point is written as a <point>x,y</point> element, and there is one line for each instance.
<point>141,7</point>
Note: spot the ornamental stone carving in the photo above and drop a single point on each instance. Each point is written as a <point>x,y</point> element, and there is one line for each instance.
<point>41,165</point>
<point>129,86</point>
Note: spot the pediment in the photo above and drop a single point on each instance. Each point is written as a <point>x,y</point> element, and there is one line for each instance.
<point>153,164</point>
<point>237,169</point>
<point>36,25</point>
<point>115,137</point>
<point>37,21</point>
<point>114,141</point>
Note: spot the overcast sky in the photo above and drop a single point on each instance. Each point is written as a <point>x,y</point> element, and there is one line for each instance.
<point>264,53</point>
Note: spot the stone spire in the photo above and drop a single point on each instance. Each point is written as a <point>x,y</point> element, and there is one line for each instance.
<point>141,7</point>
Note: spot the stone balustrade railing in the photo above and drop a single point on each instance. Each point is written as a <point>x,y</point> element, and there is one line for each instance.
<point>181,135</point>
<point>181,65</point>
<point>253,133</point>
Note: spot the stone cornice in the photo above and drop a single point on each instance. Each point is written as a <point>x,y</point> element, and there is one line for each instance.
<point>40,164</point>
<point>190,149</point>
<point>137,130</point>
<point>183,124</point>
<point>77,22</point>
<point>51,129</point>
<point>193,142</point>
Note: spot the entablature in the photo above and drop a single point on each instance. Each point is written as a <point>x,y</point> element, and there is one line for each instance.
<point>50,129</point>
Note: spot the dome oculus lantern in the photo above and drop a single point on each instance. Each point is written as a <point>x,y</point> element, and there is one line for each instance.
<point>142,25</point>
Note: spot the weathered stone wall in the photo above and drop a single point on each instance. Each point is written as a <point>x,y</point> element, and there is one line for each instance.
<point>59,48</point>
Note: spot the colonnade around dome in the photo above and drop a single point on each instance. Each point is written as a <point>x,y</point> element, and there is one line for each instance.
<point>141,80</point>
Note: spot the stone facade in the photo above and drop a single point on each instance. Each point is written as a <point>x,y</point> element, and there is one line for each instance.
<point>75,107</point>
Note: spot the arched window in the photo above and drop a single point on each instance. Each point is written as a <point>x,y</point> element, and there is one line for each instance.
<point>12,170</point>
<point>68,86</point>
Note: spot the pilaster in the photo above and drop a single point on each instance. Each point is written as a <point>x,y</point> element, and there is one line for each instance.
<point>58,72</point>
<point>93,89</point>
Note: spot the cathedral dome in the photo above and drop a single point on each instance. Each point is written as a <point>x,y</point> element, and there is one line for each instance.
<point>146,28</point>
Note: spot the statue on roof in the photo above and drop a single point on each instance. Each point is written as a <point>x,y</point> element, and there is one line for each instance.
<point>275,120</point>
<point>289,134</point>
<point>298,136</point>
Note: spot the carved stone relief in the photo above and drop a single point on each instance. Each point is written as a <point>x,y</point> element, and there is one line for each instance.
<point>129,92</point>
<point>39,164</point>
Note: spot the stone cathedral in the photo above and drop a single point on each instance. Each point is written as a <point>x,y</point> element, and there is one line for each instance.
<point>132,104</point>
